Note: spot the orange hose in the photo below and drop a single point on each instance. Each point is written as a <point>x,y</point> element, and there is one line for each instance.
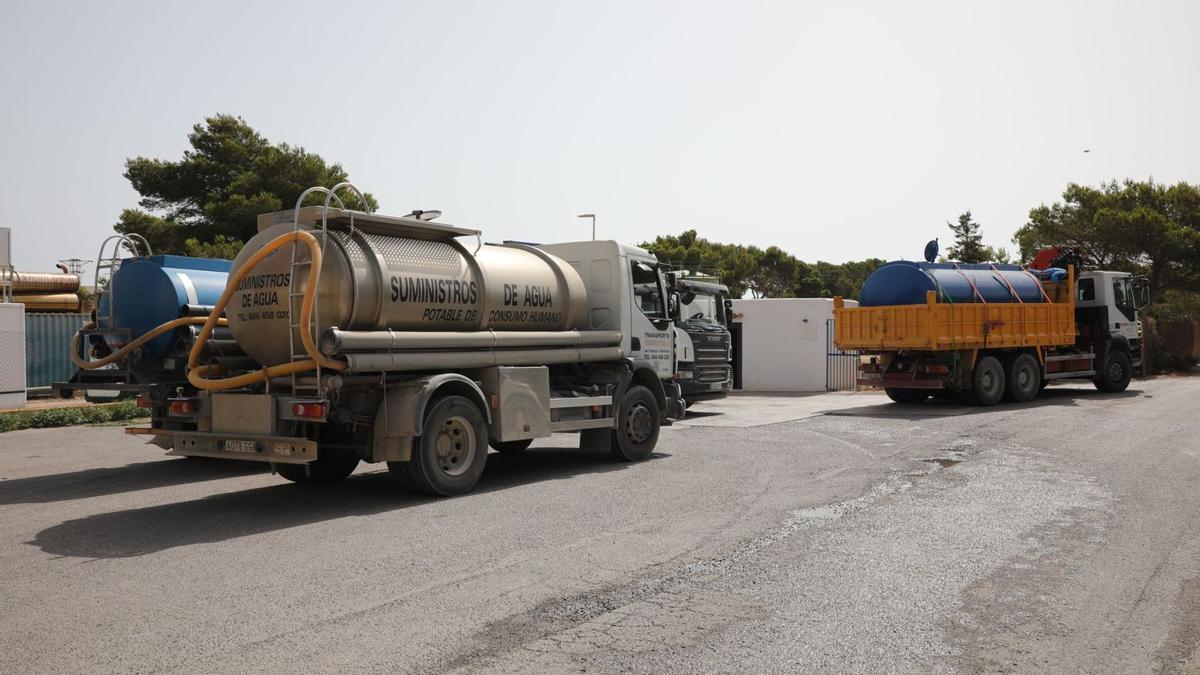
<point>197,373</point>
<point>143,339</point>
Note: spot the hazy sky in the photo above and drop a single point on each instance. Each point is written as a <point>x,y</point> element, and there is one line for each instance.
<point>837,130</point>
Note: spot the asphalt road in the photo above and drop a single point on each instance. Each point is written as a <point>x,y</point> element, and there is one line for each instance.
<point>1062,535</point>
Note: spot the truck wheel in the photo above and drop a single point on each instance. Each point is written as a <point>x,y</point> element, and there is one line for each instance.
<point>511,447</point>
<point>1118,369</point>
<point>1024,378</point>
<point>448,458</point>
<point>987,382</point>
<point>325,470</point>
<point>906,395</point>
<point>638,422</point>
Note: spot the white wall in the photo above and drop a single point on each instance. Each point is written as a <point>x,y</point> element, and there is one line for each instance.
<point>12,356</point>
<point>783,342</point>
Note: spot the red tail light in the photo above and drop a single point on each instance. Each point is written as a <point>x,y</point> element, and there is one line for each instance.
<point>143,402</point>
<point>313,410</point>
<point>182,406</point>
<point>938,370</point>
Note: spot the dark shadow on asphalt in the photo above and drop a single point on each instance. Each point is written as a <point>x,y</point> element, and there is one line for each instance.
<point>701,413</point>
<point>118,479</point>
<point>136,532</point>
<point>1052,396</point>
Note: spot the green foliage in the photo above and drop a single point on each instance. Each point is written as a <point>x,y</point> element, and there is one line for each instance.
<point>214,194</point>
<point>220,247</point>
<point>1176,305</point>
<point>1140,227</point>
<point>764,273</point>
<point>733,264</point>
<point>64,417</point>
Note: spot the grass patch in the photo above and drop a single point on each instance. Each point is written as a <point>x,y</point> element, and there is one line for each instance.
<point>67,417</point>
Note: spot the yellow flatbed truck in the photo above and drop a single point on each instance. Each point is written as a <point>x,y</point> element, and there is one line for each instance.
<point>991,344</point>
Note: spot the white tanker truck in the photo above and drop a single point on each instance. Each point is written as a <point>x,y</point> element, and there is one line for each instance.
<point>395,339</point>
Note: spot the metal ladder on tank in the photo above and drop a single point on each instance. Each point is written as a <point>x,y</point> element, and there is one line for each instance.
<point>103,285</point>
<point>135,244</point>
<point>300,386</point>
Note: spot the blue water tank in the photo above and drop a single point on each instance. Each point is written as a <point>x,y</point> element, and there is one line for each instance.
<point>906,283</point>
<point>152,290</point>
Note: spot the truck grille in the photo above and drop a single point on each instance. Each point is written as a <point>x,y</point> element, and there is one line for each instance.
<point>712,355</point>
<point>712,374</point>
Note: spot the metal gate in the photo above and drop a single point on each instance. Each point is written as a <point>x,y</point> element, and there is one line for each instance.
<point>841,368</point>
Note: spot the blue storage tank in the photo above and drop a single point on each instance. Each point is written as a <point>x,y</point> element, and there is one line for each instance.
<point>906,283</point>
<point>152,290</point>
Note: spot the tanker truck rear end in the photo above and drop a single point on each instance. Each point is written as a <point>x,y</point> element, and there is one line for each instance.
<point>990,332</point>
<point>395,339</point>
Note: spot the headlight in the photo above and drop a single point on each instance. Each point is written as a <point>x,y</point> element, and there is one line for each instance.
<point>684,375</point>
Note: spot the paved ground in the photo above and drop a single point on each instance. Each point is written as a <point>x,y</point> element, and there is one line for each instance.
<point>1061,535</point>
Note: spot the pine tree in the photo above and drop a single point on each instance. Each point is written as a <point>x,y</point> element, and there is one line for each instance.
<point>968,241</point>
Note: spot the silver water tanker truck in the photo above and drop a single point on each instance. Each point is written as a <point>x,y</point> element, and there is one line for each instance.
<point>395,339</point>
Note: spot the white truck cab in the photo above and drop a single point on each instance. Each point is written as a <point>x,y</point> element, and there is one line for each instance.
<point>613,271</point>
<point>1107,303</point>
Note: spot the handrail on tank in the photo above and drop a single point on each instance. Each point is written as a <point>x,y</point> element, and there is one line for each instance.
<point>330,196</point>
<point>130,241</point>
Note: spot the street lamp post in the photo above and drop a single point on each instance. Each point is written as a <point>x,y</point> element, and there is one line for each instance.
<point>593,217</point>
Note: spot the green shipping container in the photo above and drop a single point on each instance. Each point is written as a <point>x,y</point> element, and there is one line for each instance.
<point>47,347</point>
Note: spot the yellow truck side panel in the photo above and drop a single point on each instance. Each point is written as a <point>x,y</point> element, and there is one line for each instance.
<point>938,326</point>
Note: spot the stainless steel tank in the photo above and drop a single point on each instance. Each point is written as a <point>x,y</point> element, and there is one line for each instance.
<point>400,275</point>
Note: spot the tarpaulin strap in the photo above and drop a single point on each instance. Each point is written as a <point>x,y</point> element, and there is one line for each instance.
<point>1011,290</point>
<point>971,282</point>
<point>1040,286</point>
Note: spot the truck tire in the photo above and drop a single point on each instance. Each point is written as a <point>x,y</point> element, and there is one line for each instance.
<point>638,423</point>
<point>327,469</point>
<point>987,381</point>
<point>1117,371</point>
<point>906,395</point>
<point>1024,378</point>
<point>449,456</point>
<point>511,447</point>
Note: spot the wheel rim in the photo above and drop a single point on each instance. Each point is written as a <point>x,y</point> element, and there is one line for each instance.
<point>639,423</point>
<point>454,447</point>
<point>988,380</point>
<point>1024,378</point>
<point>1115,371</point>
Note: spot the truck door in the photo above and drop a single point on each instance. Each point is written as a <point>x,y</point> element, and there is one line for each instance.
<point>1123,316</point>
<point>652,335</point>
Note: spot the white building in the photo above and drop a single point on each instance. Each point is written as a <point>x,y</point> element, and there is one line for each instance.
<point>782,344</point>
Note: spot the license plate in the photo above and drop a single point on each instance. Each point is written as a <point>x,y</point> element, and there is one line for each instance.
<point>241,446</point>
<point>716,387</point>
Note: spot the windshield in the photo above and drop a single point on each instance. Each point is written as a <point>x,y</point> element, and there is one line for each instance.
<point>704,308</point>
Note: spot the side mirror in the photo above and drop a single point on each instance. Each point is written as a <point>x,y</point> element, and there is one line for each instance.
<point>1141,292</point>
<point>673,304</point>
<point>687,297</point>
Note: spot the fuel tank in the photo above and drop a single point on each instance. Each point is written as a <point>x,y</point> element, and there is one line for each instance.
<point>906,283</point>
<point>402,281</point>
<point>151,290</point>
